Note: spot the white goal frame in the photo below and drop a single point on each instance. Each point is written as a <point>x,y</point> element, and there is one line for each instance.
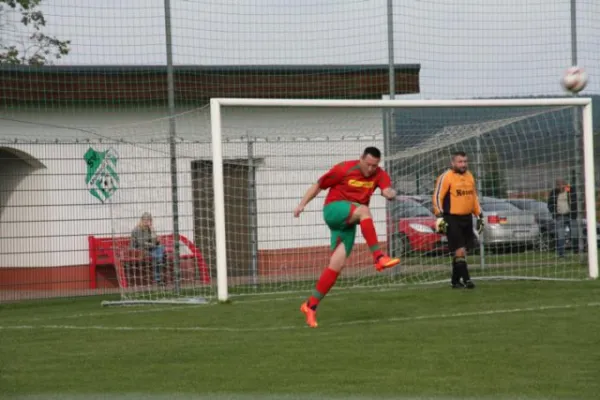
<point>217,153</point>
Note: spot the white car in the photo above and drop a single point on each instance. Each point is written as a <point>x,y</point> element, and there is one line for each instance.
<point>506,226</point>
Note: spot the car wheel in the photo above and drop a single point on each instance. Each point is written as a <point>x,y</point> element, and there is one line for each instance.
<point>400,245</point>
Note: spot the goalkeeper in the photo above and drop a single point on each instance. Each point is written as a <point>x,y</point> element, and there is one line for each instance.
<point>454,202</point>
<point>351,185</point>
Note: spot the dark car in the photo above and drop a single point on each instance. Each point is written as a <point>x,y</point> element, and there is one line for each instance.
<point>543,217</point>
<point>547,225</point>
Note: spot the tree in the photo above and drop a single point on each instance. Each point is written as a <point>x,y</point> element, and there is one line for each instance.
<point>35,48</point>
<point>493,179</point>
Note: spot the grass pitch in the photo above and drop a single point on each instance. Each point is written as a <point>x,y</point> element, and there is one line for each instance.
<point>509,340</point>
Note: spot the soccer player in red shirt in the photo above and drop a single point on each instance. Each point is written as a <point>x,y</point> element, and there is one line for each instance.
<point>351,185</point>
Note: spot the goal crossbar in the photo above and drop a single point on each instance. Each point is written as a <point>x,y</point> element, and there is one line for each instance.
<point>540,102</point>
<point>217,152</point>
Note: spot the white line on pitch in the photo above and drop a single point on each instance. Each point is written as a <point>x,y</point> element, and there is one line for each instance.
<point>114,312</point>
<point>469,314</point>
<point>291,327</point>
<point>288,296</point>
<point>242,299</point>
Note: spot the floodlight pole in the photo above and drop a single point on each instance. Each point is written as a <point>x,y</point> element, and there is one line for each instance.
<point>480,173</point>
<point>392,80</point>
<point>390,126</point>
<point>577,138</point>
<point>172,144</point>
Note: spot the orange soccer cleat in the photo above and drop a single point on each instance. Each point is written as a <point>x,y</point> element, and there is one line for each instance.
<point>385,262</point>
<point>311,315</point>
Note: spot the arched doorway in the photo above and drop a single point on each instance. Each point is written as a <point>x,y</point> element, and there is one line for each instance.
<point>19,190</point>
<point>15,167</point>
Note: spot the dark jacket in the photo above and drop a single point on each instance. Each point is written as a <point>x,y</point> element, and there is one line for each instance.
<point>572,198</point>
<point>143,239</point>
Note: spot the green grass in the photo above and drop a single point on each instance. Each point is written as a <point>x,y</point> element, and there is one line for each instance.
<point>506,258</point>
<point>423,269</point>
<point>503,340</point>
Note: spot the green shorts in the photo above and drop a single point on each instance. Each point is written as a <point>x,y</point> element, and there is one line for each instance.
<point>336,215</point>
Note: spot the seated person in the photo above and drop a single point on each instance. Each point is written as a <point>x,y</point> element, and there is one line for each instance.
<point>143,237</point>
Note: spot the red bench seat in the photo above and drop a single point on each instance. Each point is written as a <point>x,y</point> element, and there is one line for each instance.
<point>118,253</point>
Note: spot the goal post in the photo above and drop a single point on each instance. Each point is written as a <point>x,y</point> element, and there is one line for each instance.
<point>550,106</point>
<point>218,183</point>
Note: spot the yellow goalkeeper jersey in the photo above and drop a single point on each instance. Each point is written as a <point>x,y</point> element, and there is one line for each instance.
<point>455,194</point>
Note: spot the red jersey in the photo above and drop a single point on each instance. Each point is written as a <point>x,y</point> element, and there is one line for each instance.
<point>346,182</point>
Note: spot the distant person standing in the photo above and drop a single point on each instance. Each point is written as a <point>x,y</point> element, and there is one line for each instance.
<point>562,205</point>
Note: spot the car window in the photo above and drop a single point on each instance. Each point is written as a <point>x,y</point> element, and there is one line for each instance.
<point>410,209</point>
<point>537,207</point>
<point>540,209</point>
<point>428,204</point>
<point>497,205</point>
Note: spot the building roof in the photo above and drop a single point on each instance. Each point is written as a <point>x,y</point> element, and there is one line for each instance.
<point>118,85</point>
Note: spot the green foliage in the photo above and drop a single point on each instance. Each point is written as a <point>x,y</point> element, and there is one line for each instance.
<point>37,48</point>
<point>598,205</point>
<point>493,179</point>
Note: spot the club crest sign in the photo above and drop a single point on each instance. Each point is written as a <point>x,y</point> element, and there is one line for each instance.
<point>101,179</point>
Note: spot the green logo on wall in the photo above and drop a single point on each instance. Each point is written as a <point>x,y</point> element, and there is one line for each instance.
<point>102,179</point>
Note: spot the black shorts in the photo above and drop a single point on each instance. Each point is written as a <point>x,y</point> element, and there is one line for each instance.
<point>460,232</point>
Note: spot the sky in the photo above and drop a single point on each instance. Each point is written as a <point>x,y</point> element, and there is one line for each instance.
<point>466,48</point>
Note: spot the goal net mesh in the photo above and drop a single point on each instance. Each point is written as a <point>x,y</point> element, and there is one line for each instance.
<point>271,156</point>
<point>516,155</point>
<point>105,76</point>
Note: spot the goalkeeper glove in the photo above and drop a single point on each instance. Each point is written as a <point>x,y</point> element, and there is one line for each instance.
<point>441,226</point>
<point>480,223</point>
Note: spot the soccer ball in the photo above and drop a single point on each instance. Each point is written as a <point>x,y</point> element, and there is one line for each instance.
<point>574,79</point>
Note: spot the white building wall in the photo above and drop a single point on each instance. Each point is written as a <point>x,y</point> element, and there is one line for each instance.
<point>47,218</point>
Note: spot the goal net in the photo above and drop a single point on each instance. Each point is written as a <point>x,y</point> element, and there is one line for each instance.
<point>220,197</point>
<point>268,152</point>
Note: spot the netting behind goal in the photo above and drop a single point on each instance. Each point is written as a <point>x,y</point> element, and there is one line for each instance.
<point>151,264</point>
<point>79,198</point>
<point>272,154</point>
<point>82,195</point>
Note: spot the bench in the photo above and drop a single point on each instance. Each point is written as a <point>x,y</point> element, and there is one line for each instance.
<point>117,252</point>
